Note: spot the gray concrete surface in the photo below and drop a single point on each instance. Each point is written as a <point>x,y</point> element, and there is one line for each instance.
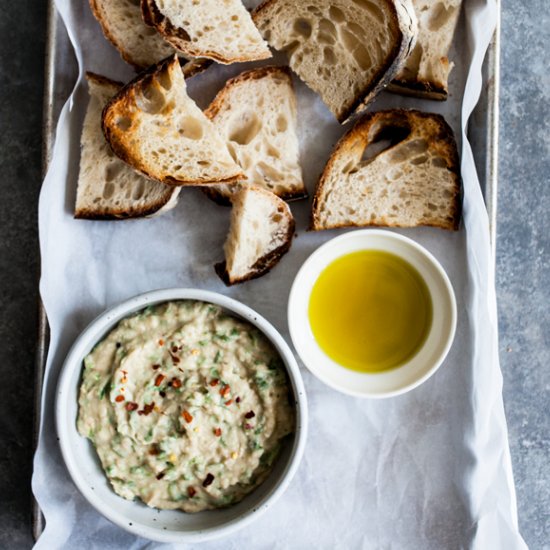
<point>523,264</point>
<point>22,29</point>
<point>523,272</point>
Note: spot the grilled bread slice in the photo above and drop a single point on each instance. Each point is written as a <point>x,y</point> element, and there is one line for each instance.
<point>394,168</point>
<point>256,114</point>
<point>124,27</point>
<point>222,31</point>
<point>107,187</point>
<point>345,50</point>
<point>154,126</point>
<point>426,71</point>
<point>261,232</point>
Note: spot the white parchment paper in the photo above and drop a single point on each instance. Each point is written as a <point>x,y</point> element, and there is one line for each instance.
<point>430,469</point>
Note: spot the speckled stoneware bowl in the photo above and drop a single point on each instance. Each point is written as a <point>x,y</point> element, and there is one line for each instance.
<point>134,516</point>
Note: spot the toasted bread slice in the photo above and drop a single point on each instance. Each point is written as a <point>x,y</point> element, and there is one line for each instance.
<point>256,114</point>
<point>261,232</point>
<point>107,187</point>
<point>124,27</point>
<point>426,71</point>
<point>346,51</point>
<point>155,127</point>
<point>222,31</point>
<point>394,168</point>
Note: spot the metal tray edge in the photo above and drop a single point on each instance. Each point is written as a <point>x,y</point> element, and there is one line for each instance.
<point>55,29</point>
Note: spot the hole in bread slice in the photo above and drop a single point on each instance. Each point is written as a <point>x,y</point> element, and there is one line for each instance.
<point>385,138</point>
<point>245,129</point>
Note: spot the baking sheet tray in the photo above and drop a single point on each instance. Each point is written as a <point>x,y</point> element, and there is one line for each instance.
<point>61,73</point>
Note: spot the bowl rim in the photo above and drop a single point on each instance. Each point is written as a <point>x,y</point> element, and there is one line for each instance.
<point>297,289</point>
<point>105,322</point>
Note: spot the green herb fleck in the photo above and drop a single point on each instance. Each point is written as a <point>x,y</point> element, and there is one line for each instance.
<point>254,445</point>
<point>106,389</point>
<point>261,382</point>
<point>214,372</point>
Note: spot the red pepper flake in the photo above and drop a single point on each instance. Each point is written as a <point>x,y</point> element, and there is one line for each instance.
<point>176,383</point>
<point>218,432</point>
<point>147,409</point>
<point>119,398</point>
<point>238,400</point>
<point>214,382</point>
<point>175,358</point>
<point>160,476</point>
<point>161,342</point>
<point>208,480</point>
<point>159,379</point>
<point>191,491</point>
<point>225,390</point>
<point>188,417</point>
<point>249,414</point>
<point>156,367</point>
<point>228,402</point>
<point>131,407</point>
<point>248,426</point>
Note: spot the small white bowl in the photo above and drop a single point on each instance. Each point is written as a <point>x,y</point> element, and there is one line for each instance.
<point>134,516</point>
<point>391,382</point>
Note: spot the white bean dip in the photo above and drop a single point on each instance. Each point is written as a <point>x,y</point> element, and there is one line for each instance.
<point>186,406</point>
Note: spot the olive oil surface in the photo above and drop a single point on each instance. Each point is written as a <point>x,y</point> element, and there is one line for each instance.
<point>370,311</point>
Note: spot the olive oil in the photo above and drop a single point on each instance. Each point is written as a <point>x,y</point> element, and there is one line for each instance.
<point>370,311</point>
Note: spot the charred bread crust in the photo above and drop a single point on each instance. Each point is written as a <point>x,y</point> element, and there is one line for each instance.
<point>194,66</point>
<point>443,142</point>
<point>219,198</point>
<point>263,265</point>
<point>120,215</point>
<point>214,195</point>
<point>179,39</point>
<point>121,106</point>
<point>103,80</point>
<point>399,52</point>
<point>422,89</point>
